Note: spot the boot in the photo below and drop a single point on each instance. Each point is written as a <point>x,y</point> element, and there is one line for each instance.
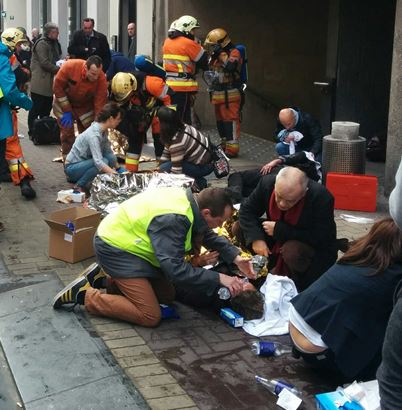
<point>26,190</point>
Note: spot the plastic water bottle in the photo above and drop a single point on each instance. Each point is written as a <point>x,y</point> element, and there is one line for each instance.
<point>224,293</point>
<point>269,349</point>
<point>276,386</point>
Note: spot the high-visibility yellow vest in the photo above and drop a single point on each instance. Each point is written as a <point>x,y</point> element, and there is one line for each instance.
<point>126,228</point>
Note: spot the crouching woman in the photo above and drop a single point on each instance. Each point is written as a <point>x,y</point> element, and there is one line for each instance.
<point>187,151</point>
<point>91,153</point>
<point>338,323</point>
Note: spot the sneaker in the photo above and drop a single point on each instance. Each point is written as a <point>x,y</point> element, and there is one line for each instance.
<point>94,275</point>
<point>72,293</point>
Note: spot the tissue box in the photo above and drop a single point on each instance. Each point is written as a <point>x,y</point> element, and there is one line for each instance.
<point>68,195</point>
<point>365,396</point>
<point>233,318</point>
<point>331,401</point>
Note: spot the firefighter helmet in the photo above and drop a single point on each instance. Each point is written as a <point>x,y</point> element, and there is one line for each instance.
<point>172,26</point>
<point>13,36</point>
<point>217,37</point>
<point>185,24</point>
<point>123,85</point>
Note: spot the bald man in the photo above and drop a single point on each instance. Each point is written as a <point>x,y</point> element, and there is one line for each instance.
<point>291,123</point>
<point>132,41</point>
<point>299,232</point>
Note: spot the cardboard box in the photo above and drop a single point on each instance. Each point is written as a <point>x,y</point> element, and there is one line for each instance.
<point>68,195</point>
<point>72,246</point>
<point>352,191</point>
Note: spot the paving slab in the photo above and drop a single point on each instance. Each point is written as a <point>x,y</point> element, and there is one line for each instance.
<point>56,362</point>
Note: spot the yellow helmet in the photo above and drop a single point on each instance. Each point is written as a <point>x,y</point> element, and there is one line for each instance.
<point>11,37</point>
<point>217,37</point>
<point>185,24</point>
<point>123,85</point>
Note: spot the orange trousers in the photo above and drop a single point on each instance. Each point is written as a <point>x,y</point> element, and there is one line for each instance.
<point>134,300</point>
<point>18,167</point>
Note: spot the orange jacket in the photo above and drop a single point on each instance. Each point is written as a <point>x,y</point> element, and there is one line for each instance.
<point>72,89</point>
<point>155,88</point>
<point>180,55</point>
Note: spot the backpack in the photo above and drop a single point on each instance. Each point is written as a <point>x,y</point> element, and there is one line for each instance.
<point>45,131</point>
<point>244,67</point>
<point>145,64</point>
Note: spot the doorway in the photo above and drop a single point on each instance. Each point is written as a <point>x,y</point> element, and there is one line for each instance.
<point>127,14</point>
<point>356,84</point>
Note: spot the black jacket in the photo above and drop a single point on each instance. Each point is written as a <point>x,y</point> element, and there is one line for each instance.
<point>97,45</point>
<point>311,130</point>
<point>315,227</point>
<point>350,310</point>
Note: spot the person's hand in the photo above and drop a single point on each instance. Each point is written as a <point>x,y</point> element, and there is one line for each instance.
<point>245,266</point>
<point>289,138</point>
<point>233,283</point>
<point>260,248</point>
<point>269,227</point>
<point>67,120</point>
<point>208,258</point>
<point>267,168</point>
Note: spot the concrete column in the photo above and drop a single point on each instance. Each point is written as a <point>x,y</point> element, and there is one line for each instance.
<point>59,15</point>
<point>145,36</point>
<point>97,9</point>
<point>32,15</point>
<point>394,141</point>
<point>15,13</point>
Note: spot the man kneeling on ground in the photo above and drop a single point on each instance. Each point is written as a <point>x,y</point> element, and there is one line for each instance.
<point>299,232</point>
<point>142,247</point>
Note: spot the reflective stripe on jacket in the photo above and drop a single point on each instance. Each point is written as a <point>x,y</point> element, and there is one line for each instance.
<point>126,228</point>
<point>180,55</point>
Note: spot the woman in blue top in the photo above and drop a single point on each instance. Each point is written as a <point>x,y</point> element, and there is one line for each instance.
<point>91,153</point>
<point>338,323</point>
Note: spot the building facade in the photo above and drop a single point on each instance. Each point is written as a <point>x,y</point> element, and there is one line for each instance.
<point>337,59</point>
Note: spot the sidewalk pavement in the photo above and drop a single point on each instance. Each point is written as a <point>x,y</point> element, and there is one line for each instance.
<point>195,362</point>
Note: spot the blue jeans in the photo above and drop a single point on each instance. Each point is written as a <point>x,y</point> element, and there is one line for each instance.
<point>83,172</point>
<point>198,172</point>
<point>283,149</point>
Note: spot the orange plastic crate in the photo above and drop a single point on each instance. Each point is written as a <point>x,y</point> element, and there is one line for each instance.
<point>353,192</point>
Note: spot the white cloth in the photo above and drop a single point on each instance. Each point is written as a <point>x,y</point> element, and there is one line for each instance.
<point>278,291</point>
<point>292,144</point>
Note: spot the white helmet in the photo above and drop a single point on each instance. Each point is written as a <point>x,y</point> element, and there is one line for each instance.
<point>172,26</point>
<point>185,24</point>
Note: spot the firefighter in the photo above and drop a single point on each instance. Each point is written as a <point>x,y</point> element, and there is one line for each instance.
<point>20,173</point>
<point>182,56</point>
<point>139,94</point>
<point>80,92</point>
<point>225,87</point>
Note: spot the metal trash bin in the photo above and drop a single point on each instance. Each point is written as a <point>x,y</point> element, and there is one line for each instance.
<point>344,151</point>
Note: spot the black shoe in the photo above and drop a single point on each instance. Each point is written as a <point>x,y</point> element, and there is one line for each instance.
<point>5,178</point>
<point>342,244</point>
<point>72,293</point>
<point>26,190</point>
<point>95,276</point>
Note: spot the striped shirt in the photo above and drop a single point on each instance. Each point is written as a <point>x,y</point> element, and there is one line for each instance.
<point>187,148</point>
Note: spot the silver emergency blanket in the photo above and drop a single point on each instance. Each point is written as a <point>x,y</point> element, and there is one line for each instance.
<point>109,190</point>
